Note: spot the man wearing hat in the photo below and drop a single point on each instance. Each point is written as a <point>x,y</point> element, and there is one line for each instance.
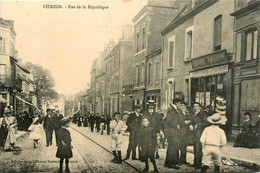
<point>56,124</point>
<point>9,122</point>
<point>198,124</point>
<point>172,127</point>
<point>134,124</point>
<point>213,139</point>
<point>48,127</point>
<point>155,120</point>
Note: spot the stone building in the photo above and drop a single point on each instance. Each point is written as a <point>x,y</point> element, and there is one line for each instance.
<point>246,80</point>
<point>148,24</point>
<point>198,49</point>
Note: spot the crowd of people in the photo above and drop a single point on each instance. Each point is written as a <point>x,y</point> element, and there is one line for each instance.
<point>149,130</point>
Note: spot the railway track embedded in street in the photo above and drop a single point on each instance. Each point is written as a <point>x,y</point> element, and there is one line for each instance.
<point>104,148</point>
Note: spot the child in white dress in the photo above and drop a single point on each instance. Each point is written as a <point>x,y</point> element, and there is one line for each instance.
<point>35,131</point>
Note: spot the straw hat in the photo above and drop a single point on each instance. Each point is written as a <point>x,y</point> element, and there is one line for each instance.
<point>216,118</point>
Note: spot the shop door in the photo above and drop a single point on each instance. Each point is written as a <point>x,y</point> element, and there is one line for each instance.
<point>250,98</point>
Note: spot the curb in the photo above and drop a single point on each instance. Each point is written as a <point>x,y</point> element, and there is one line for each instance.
<point>240,162</point>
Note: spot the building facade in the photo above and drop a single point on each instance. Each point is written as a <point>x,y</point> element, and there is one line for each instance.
<point>198,51</point>
<point>148,24</point>
<point>246,78</point>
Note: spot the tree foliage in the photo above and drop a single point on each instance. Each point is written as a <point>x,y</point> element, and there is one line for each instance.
<point>44,82</point>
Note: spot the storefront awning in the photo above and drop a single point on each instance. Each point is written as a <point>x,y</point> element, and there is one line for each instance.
<point>209,72</point>
<point>19,98</point>
<point>2,100</point>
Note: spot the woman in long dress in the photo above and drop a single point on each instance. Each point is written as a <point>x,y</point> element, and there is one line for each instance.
<point>10,123</point>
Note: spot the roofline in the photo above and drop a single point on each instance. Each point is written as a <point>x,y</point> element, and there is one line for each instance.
<point>175,23</point>
<point>143,10</point>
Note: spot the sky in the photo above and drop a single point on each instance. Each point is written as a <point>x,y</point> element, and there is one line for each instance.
<point>66,41</point>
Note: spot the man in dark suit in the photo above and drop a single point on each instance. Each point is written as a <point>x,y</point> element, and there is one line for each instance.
<point>155,121</point>
<point>198,124</point>
<point>134,123</point>
<point>48,127</point>
<point>56,124</point>
<point>185,121</point>
<point>91,120</point>
<point>172,127</point>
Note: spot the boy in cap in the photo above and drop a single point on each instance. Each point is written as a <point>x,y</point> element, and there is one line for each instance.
<point>148,142</point>
<point>118,127</point>
<point>212,139</point>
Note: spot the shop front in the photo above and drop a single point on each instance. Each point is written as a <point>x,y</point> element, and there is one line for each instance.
<point>211,83</point>
<point>154,95</point>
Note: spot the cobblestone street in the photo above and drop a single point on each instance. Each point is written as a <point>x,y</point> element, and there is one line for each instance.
<point>43,158</point>
<point>105,140</point>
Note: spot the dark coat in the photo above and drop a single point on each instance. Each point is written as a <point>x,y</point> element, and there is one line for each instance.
<point>148,142</point>
<point>172,121</point>
<point>64,147</point>
<point>201,122</point>
<point>47,123</point>
<point>91,119</point>
<point>134,125</point>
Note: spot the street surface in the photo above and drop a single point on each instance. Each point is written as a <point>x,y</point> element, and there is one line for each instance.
<point>105,140</point>
<point>42,159</point>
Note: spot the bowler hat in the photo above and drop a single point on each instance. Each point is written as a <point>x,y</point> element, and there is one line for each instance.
<point>216,118</point>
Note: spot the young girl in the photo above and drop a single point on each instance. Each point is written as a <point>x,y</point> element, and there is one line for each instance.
<point>64,146</point>
<point>118,127</point>
<point>148,141</point>
<point>35,132</point>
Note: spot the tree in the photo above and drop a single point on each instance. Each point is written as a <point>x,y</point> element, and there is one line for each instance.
<point>44,83</point>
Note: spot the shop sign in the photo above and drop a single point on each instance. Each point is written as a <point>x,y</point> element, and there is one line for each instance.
<point>212,59</point>
<point>210,71</point>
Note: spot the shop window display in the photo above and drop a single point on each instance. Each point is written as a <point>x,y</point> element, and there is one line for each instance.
<point>210,92</point>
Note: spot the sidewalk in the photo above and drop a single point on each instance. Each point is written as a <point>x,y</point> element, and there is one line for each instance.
<point>241,156</point>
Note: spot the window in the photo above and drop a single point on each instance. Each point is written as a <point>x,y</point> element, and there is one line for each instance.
<point>144,38</point>
<point>157,71</point>
<point>150,71</point>
<point>171,52</point>
<point>139,75</point>
<point>251,44</point>
<point>2,72</point>
<point>2,45</point>
<point>238,47</point>
<point>217,33</point>
<point>137,41</point>
<point>188,44</point>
